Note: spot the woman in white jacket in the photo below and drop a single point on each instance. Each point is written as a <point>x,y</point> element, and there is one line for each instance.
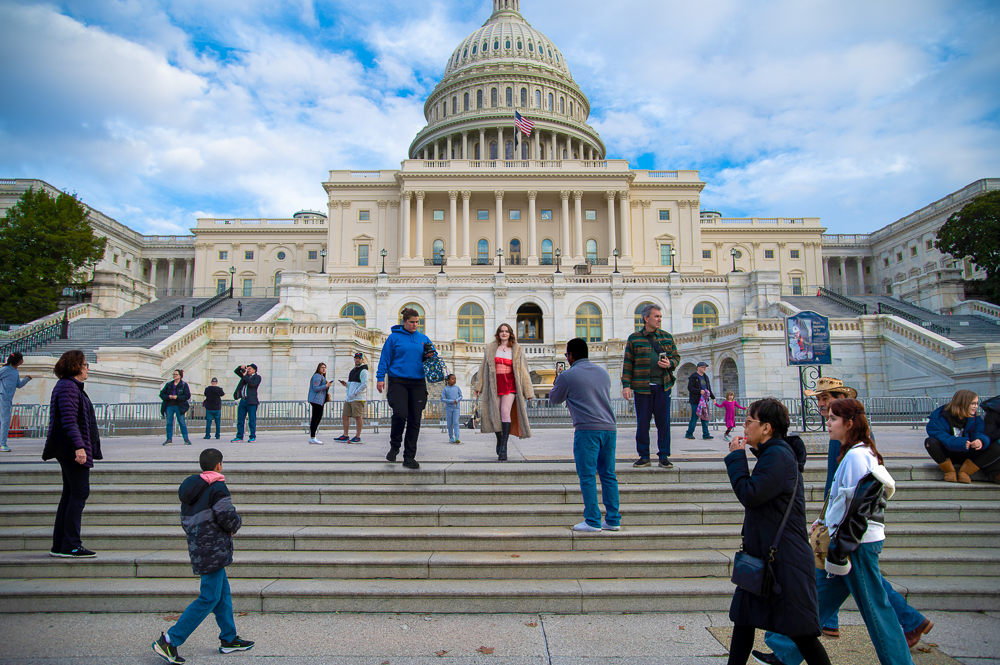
<point>855,519</point>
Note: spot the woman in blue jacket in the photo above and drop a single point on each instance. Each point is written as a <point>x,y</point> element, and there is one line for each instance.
<point>956,435</point>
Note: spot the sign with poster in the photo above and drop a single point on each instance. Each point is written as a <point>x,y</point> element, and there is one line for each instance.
<point>807,339</point>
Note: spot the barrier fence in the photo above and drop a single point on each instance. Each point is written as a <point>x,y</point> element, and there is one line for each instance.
<point>31,420</point>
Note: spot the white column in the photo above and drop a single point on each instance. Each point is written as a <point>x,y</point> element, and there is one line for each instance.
<point>500,150</point>
<point>447,154</point>
<point>406,224</point>
<point>420,225</point>
<point>565,240</point>
<point>861,276</point>
<point>532,237</point>
<point>498,194</point>
<point>153,263</point>
<point>578,252</point>
<point>843,275</point>
<point>188,275</point>
<point>453,224</point>
<point>482,145</point>
<point>626,219</point>
<point>612,236</point>
<point>826,272</point>
<point>170,275</point>
<point>535,143</point>
<point>466,241</point>
<point>554,147</point>
<point>465,144</point>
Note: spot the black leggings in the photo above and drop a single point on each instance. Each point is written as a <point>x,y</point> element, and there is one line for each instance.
<point>743,636</point>
<point>987,459</point>
<point>316,418</point>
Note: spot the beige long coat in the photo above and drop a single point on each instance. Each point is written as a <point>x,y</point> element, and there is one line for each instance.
<point>486,385</point>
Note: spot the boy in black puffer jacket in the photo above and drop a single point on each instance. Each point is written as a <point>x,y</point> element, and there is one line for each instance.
<point>209,520</point>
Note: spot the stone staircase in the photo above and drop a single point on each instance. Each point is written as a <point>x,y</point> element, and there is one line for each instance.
<point>458,537</point>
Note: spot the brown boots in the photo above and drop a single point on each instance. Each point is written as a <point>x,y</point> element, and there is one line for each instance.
<point>949,471</point>
<point>967,469</point>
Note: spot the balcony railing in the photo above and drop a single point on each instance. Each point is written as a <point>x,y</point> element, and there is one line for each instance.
<point>516,261</point>
<point>482,262</point>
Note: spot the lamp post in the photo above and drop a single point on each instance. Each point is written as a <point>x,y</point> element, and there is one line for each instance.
<point>232,280</point>
<point>673,260</point>
<point>322,267</point>
<point>383,254</point>
<point>558,254</point>
<point>67,292</point>
<point>615,254</point>
<point>499,261</point>
<point>733,253</point>
<point>441,262</point>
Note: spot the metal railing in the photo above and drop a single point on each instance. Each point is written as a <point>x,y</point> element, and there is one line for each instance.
<point>146,328</point>
<point>482,262</point>
<point>201,308</point>
<point>884,308</point>
<point>31,340</point>
<point>852,305</point>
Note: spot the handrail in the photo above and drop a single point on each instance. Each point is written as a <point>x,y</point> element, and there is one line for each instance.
<point>853,305</point>
<point>933,327</point>
<point>203,307</point>
<point>148,327</point>
<point>30,341</point>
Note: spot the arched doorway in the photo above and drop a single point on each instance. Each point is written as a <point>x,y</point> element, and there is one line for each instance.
<point>529,323</point>
<point>730,378</point>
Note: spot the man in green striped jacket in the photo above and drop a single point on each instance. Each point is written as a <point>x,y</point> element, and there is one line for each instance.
<point>648,371</point>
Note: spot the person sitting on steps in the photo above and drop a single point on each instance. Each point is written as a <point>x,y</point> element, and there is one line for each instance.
<point>957,435</point>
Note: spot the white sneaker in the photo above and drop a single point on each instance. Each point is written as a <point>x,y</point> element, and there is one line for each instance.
<point>316,442</point>
<point>608,527</point>
<point>583,526</point>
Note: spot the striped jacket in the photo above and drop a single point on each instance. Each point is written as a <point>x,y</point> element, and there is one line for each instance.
<point>639,355</point>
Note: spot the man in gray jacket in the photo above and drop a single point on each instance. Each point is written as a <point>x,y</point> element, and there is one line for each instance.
<point>586,389</point>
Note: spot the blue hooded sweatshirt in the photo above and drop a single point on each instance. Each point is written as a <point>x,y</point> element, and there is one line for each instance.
<point>403,355</point>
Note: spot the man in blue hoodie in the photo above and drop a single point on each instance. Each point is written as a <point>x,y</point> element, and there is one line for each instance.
<point>403,360</point>
<point>209,520</point>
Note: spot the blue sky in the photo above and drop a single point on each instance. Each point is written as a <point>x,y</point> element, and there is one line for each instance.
<point>157,113</point>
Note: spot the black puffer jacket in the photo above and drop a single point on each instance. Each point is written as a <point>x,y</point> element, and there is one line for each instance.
<point>765,495</point>
<point>209,520</point>
<point>992,409</point>
<point>867,504</point>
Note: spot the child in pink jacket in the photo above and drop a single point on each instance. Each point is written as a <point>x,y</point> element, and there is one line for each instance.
<point>730,407</point>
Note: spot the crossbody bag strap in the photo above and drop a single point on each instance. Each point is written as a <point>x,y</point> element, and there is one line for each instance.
<point>784,520</point>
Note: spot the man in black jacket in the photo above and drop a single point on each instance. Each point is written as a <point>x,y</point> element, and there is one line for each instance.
<point>696,383</point>
<point>246,393</point>
<point>213,408</point>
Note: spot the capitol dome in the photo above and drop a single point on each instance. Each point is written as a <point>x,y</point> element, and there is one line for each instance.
<point>506,65</point>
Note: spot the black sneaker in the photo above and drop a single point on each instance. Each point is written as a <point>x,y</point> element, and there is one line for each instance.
<point>391,457</point>
<point>642,462</point>
<point>666,464</point>
<point>236,645</point>
<point>79,553</point>
<point>166,651</point>
<point>411,464</point>
<point>765,658</point>
<point>706,438</point>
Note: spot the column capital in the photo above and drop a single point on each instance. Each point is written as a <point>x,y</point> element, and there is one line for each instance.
<point>532,194</point>
<point>782,244</point>
<point>623,194</point>
<point>718,244</point>
<point>382,203</point>
<point>300,246</point>
<point>466,194</point>
<point>646,203</point>
<point>498,194</point>
<point>609,195</point>
<point>394,204</point>
<point>565,194</point>
<point>693,203</point>
<point>420,194</point>
<point>407,195</point>
<point>262,245</point>
<point>453,194</point>
<point>578,195</point>
<point>682,204</point>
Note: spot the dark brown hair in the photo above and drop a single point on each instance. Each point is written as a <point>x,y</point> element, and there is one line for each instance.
<point>179,371</point>
<point>860,432</point>
<point>318,366</point>
<point>409,313</point>
<point>771,412</point>
<point>960,403</point>
<point>512,341</point>
<point>70,364</point>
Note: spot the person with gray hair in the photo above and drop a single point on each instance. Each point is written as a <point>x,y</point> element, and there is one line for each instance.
<point>651,357</point>
<point>10,381</point>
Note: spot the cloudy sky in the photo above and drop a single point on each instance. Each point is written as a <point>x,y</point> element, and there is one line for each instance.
<point>159,112</point>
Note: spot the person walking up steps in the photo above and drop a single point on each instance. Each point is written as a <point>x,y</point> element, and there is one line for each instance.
<point>210,521</point>
<point>9,382</point>
<point>357,396</point>
<point>246,393</point>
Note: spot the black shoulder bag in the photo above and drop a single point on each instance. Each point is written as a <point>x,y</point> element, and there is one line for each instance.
<point>755,575</point>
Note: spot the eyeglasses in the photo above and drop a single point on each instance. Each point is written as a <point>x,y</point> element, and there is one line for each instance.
<point>750,420</point>
<point>87,365</point>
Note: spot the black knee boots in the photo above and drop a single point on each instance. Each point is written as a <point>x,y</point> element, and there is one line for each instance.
<point>504,435</point>
<point>499,441</point>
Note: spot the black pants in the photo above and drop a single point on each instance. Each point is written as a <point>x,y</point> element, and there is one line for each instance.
<point>317,416</point>
<point>407,399</point>
<point>987,459</point>
<point>69,515</point>
<point>739,649</point>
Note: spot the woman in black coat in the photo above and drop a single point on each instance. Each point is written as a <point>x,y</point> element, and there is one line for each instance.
<point>73,440</point>
<point>765,495</point>
<point>176,397</point>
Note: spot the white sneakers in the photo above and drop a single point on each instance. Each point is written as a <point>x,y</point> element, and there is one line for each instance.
<point>583,526</point>
<point>315,442</point>
<point>608,527</point>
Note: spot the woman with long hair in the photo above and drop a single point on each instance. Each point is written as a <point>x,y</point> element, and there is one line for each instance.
<point>765,494</point>
<point>10,381</point>
<point>956,436</point>
<point>318,390</point>
<point>505,384</point>
<point>175,401</point>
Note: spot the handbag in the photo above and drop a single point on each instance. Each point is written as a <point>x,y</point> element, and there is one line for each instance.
<point>473,421</point>
<point>756,575</point>
<point>819,540</point>
<point>328,397</point>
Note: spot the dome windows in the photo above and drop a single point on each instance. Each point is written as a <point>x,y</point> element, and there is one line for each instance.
<point>493,97</point>
<point>479,99</point>
<point>474,46</point>
<point>562,104</point>
<point>506,44</point>
<point>552,102</point>
<point>519,47</point>
<point>524,97</point>
<point>510,97</point>
<point>496,44</point>
<point>531,47</point>
<point>465,52</point>
<point>550,53</point>
<point>538,99</point>
<point>465,99</point>
<point>444,114</point>
<point>557,56</point>
<point>486,47</point>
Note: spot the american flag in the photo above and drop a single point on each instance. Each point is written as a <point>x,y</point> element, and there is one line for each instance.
<point>523,125</point>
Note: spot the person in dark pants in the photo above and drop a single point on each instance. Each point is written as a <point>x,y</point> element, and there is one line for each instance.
<point>648,372</point>
<point>74,440</point>
<point>246,393</point>
<point>318,394</point>
<point>175,398</point>
<point>239,307</point>
<point>957,435</point>
<point>403,360</point>
<point>696,383</point>
<point>213,408</point>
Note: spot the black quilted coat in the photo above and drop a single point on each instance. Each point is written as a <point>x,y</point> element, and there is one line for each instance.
<point>209,520</point>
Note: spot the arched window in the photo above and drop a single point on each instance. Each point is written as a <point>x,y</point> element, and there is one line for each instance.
<point>493,150</point>
<point>551,101</point>
<point>486,47</point>
<point>639,324</point>
<point>506,43</point>
<point>496,44</point>
<point>354,311</point>
<point>705,316</point>
<point>538,99</point>
<point>454,105</point>
<point>471,323</point>
<point>277,284</point>
<point>444,113</point>
<point>477,152</point>
<point>510,96</point>
<point>483,251</point>
<point>420,311</point>
<point>515,252</point>
<point>438,252</point>
<point>562,104</point>
<point>508,150</point>
<point>493,97</point>
<point>546,252</point>
<point>571,108</point>
<point>524,97</point>
<point>592,249</point>
<point>588,322</point>
<point>524,150</point>
<point>479,99</point>
<point>531,47</point>
<point>474,48</point>
<point>465,99</point>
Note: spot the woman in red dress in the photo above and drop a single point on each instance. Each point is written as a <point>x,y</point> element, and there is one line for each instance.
<point>505,386</point>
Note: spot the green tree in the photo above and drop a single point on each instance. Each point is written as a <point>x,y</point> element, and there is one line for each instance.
<point>974,232</point>
<point>44,241</point>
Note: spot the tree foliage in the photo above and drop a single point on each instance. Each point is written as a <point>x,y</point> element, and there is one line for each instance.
<point>974,232</point>
<point>44,241</point>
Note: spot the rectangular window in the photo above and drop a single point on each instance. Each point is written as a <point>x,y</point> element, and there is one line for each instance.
<point>899,257</point>
<point>515,215</point>
<point>223,256</point>
<point>439,215</point>
<point>768,253</point>
<point>664,215</point>
<point>483,215</point>
<point>794,253</point>
<point>868,270</point>
<point>128,263</point>
<point>885,262</point>
<point>796,286</point>
<point>248,255</point>
<point>546,215</point>
<point>664,255</point>
<point>706,253</point>
<point>913,251</point>
<point>221,285</point>
<point>313,254</point>
<point>362,255</point>
<point>248,287</point>
<point>929,244</point>
<point>364,215</point>
<point>114,259</point>
<point>590,215</point>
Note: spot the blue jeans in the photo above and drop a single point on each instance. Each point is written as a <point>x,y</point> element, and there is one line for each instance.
<point>866,584</point>
<point>832,453</point>
<point>209,417</point>
<point>6,409</point>
<point>213,599</point>
<point>594,452</point>
<point>242,411</point>
<point>451,417</point>
<point>655,405</point>
<point>694,421</point>
<point>176,411</point>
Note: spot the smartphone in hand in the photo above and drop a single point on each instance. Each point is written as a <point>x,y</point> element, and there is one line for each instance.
<point>343,383</point>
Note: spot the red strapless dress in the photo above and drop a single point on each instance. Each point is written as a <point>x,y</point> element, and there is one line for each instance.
<point>505,376</point>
